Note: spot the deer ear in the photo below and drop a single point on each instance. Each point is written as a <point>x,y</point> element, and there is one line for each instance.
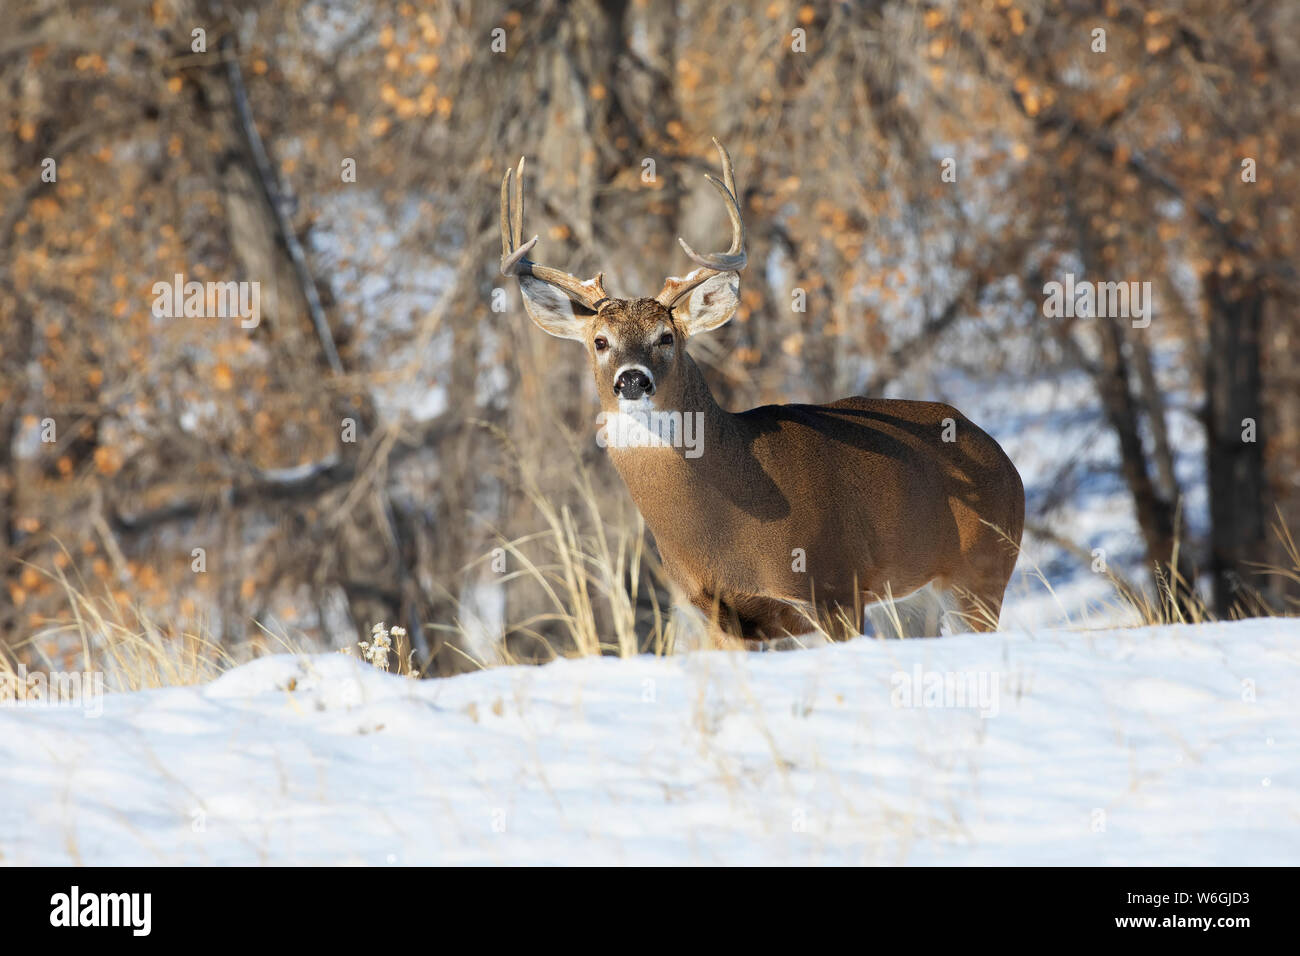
<point>709,305</point>
<point>553,311</point>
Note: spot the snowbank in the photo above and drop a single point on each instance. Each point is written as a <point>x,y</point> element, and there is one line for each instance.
<point>1176,745</point>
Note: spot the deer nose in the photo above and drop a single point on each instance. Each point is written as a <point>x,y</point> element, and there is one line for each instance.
<point>632,383</point>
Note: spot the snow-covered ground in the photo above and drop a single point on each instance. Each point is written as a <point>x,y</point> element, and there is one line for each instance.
<point>1174,745</point>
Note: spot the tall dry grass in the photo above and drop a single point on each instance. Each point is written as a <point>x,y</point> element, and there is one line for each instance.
<point>602,593</point>
<point>132,651</point>
<point>594,573</point>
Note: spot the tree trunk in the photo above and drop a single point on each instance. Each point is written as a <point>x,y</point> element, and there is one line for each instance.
<point>1155,513</point>
<point>1155,510</point>
<point>1235,461</point>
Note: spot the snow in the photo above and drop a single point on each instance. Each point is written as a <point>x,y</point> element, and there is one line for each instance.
<point>1174,745</point>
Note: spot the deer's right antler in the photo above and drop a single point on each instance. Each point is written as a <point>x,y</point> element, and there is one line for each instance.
<point>712,263</point>
<point>514,251</point>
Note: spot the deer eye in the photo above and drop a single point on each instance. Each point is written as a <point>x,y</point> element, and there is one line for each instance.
<point>601,343</point>
<point>666,339</point>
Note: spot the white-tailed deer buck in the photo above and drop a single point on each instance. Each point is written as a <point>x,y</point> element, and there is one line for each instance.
<point>781,512</point>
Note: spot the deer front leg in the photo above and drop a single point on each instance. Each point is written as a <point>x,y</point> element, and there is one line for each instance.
<point>726,630</point>
<point>751,617</point>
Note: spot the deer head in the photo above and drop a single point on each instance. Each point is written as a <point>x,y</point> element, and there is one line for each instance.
<point>636,347</point>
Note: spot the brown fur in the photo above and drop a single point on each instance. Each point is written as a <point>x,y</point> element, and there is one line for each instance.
<point>866,490</point>
<point>877,501</point>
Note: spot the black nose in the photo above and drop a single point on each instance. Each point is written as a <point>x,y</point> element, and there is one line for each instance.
<point>632,383</point>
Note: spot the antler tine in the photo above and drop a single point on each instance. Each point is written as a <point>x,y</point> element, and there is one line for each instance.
<point>506,244</point>
<point>712,263</point>
<point>519,206</point>
<point>733,213</point>
<point>733,206</point>
<point>728,174</point>
<point>513,248</point>
<point>733,260</point>
<point>514,251</point>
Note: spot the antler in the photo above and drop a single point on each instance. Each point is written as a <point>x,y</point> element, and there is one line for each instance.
<point>514,251</point>
<point>713,263</point>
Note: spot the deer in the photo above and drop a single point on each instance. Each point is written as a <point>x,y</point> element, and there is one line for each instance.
<point>786,515</point>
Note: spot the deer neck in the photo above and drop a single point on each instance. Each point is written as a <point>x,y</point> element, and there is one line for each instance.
<point>675,460</point>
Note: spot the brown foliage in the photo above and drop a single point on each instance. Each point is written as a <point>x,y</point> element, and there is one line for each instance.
<point>176,434</point>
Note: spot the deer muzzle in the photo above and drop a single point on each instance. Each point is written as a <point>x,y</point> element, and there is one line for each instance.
<point>632,383</point>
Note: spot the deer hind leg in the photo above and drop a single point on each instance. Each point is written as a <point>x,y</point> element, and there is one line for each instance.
<point>979,611</point>
<point>980,588</point>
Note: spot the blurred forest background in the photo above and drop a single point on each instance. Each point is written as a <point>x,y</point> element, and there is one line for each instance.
<point>1166,153</point>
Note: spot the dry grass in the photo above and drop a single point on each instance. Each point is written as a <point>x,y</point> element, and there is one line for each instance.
<point>131,650</point>
<point>591,573</point>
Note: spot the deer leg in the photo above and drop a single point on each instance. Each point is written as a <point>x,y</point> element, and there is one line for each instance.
<point>725,623</point>
<point>979,596</point>
<point>979,612</point>
<point>750,617</point>
<point>767,619</point>
<point>980,582</point>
